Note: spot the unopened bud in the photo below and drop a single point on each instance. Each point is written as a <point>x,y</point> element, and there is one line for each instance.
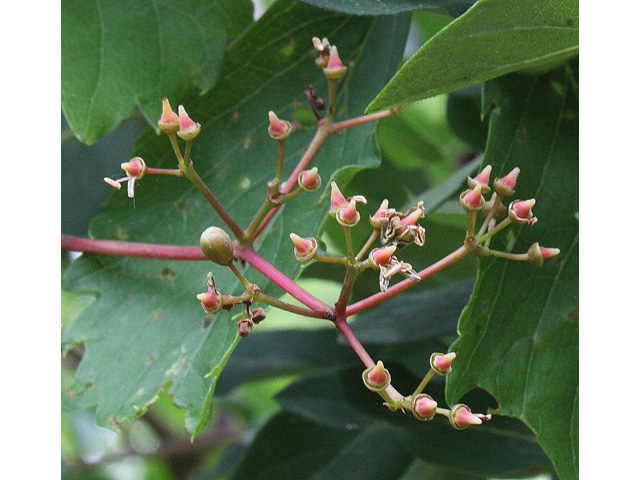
<point>188,128</point>
<point>383,211</point>
<point>304,248</point>
<point>520,211</point>
<point>169,122</point>
<point>382,256</point>
<point>211,301</point>
<point>309,180</point>
<point>217,246</point>
<point>482,178</point>
<point>278,129</point>
<point>506,186</point>
<point>461,417</point>
<point>337,200</point>
<point>348,216</point>
<point>135,167</point>
<point>441,363</point>
<point>424,407</point>
<point>472,199</point>
<point>538,254</point>
<point>376,378</point>
<point>412,218</point>
<point>334,70</point>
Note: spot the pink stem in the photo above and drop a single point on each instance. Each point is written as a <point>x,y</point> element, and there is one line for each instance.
<point>131,249</point>
<point>357,347</point>
<point>352,122</point>
<point>276,276</point>
<point>375,299</point>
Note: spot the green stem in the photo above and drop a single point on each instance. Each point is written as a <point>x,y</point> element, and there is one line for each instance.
<point>423,382</point>
<point>274,302</point>
<point>284,198</point>
<point>333,94</point>
<point>265,208</point>
<point>165,171</point>
<point>471,223</point>
<point>349,241</point>
<point>490,215</point>
<point>510,256</point>
<point>327,259</point>
<point>187,151</point>
<point>367,245</point>
<point>503,224</point>
<point>280,161</point>
<point>173,138</point>
<point>245,282</point>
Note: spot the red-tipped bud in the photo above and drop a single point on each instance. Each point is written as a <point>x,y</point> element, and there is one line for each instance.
<point>348,216</point>
<point>520,211</point>
<point>412,218</point>
<point>309,180</point>
<point>472,199</point>
<point>169,122</point>
<point>376,378</point>
<point>482,178</point>
<point>424,407</point>
<point>211,301</point>
<point>188,128</point>
<point>278,129</point>
<point>538,254</point>
<point>337,199</point>
<point>134,167</point>
<point>461,417</point>
<point>441,363</point>
<point>383,212</point>
<point>506,186</point>
<point>304,248</point>
<point>382,256</point>
<point>334,70</point>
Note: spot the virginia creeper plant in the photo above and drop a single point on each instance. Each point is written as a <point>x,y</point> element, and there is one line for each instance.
<point>185,185</point>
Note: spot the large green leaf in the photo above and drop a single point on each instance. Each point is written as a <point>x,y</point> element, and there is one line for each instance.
<point>117,55</point>
<point>146,328</point>
<point>386,7</point>
<point>493,38</point>
<point>338,398</point>
<point>519,334</point>
<point>291,447</point>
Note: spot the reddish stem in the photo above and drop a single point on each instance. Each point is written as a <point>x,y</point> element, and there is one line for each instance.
<point>131,249</point>
<point>352,122</point>
<point>375,299</point>
<point>345,329</point>
<point>276,276</point>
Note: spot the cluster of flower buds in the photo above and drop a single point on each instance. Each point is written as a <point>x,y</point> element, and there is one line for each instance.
<point>518,211</point>
<point>329,60</point>
<point>171,122</point>
<point>210,300</point>
<point>135,170</point>
<point>384,260</point>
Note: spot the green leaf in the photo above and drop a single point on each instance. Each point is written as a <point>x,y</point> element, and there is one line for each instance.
<point>414,316</point>
<point>146,329</point>
<point>338,398</point>
<point>290,447</point>
<point>519,334</point>
<point>117,55</point>
<point>493,38</point>
<point>387,7</point>
<point>463,114</point>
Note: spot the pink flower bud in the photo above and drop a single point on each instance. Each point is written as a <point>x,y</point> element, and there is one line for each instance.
<point>334,70</point>
<point>188,128</point>
<point>210,301</point>
<point>348,216</point>
<point>424,407</point>
<point>134,167</point>
<point>472,199</point>
<point>441,363</point>
<point>538,254</point>
<point>309,180</point>
<point>382,256</point>
<point>169,121</point>
<point>412,218</point>
<point>520,211</point>
<point>376,378</point>
<point>337,199</point>
<point>383,212</point>
<point>506,186</point>
<point>482,178</point>
<point>461,417</point>
<point>278,129</point>
<point>305,248</point>
<point>549,252</point>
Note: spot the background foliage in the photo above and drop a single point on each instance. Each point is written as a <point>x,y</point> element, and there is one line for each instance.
<point>288,398</point>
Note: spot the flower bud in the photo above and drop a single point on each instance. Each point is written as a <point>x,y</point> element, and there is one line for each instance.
<point>309,180</point>
<point>500,211</point>
<point>472,199</point>
<point>211,301</point>
<point>348,216</point>
<point>482,178</point>
<point>169,122</point>
<point>461,417</point>
<point>506,186</point>
<point>334,70</point>
<point>278,129</point>
<point>376,378</point>
<point>188,128</point>
<point>135,167</point>
<point>424,407</point>
<point>217,246</point>
<point>412,218</point>
<point>538,254</point>
<point>337,200</point>
<point>383,212</point>
<point>520,211</point>
<point>441,363</point>
<point>382,256</point>
<point>305,248</point>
